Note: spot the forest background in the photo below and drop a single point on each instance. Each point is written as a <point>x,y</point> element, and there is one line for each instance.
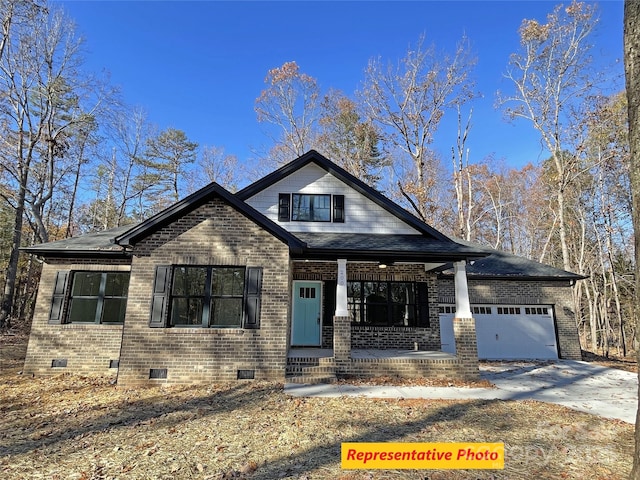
<point>75,157</point>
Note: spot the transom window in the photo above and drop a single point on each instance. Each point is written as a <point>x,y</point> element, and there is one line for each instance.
<point>382,303</point>
<point>207,296</point>
<point>98,297</point>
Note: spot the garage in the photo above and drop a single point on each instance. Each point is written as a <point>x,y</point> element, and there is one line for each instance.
<point>506,332</point>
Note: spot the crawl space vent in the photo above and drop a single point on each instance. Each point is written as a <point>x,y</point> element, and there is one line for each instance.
<point>246,374</point>
<point>158,373</point>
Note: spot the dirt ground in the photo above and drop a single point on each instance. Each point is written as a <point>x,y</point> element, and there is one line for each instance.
<point>72,427</point>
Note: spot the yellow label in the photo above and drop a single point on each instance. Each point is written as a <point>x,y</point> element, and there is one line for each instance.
<point>423,456</point>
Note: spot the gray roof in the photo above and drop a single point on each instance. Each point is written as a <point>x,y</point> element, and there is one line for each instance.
<point>503,265</point>
<point>90,244</point>
<point>418,248</point>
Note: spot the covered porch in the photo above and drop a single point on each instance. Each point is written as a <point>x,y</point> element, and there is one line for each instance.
<point>356,345</point>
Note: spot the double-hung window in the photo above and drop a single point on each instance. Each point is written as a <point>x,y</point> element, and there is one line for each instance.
<point>98,297</point>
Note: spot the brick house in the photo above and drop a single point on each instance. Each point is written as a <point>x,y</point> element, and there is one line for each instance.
<point>306,274</point>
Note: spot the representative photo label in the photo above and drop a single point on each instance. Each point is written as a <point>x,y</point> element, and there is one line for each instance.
<point>422,456</point>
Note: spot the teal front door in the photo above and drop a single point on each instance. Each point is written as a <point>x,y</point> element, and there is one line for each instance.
<point>305,328</point>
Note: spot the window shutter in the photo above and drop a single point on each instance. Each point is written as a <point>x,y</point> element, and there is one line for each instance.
<point>338,208</point>
<point>160,301</point>
<point>58,297</point>
<point>329,308</point>
<point>423,305</point>
<point>284,202</point>
<point>253,291</point>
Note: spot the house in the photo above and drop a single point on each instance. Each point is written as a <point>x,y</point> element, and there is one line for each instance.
<point>306,274</point>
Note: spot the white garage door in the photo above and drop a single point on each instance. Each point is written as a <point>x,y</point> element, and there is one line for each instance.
<point>506,332</point>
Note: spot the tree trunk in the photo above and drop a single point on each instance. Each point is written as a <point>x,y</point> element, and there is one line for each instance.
<point>12,267</point>
<point>632,75</point>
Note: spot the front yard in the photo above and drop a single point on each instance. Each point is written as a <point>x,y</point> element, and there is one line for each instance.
<point>69,427</point>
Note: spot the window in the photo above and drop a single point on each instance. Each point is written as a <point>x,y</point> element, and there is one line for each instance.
<point>386,304</point>
<point>508,310</point>
<point>536,311</point>
<point>98,297</point>
<point>446,309</point>
<point>481,310</point>
<point>206,296</point>
<point>311,208</point>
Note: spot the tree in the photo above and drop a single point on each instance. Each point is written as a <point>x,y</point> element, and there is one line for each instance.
<point>290,102</point>
<point>632,74</point>
<point>553,83</point>
<point>214,165</point>
<point>408,102</point>
<point>168,153</point>
<point>348,139</point>
<point>43,98</point>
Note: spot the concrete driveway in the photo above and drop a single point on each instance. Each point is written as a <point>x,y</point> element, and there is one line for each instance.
<point>583,386</point>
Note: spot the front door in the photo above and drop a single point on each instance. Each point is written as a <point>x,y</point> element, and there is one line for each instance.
<point>305,327</point>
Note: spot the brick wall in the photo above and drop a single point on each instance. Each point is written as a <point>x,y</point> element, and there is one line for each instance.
<point>87,348</point>
<point>522,292</point>
<point>214,234</point>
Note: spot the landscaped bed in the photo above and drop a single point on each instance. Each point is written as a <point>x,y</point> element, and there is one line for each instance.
<point>71,427</point>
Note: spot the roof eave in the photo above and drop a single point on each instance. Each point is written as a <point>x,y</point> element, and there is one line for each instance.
<point>380,255</point>
<point>540,278</point>
<point>55,253</point>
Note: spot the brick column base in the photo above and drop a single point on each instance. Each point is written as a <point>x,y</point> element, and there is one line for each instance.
<point>342,343</point>
<point>464,332</point>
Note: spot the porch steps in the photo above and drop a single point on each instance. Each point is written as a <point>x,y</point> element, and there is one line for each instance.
<point>310,370</point>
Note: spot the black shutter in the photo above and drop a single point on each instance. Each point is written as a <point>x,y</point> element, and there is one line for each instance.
<point>284,201</point>
<point>58,297</point>
<point>338,208</point>
<point>423,305</point>
<point>329,308</point>
<point>253,292</point>
<point>161,293</point>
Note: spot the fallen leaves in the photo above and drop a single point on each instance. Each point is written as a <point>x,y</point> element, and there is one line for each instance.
<point>72,427</point>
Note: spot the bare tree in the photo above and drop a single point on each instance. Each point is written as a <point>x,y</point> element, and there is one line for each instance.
<point>290,103</point>
<point>214,165</point>
<point>552,81</point>
<point>41,102</point>
<point>408,102</point>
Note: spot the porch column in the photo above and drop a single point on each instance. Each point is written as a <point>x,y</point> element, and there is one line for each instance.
<point>463,308</point>
<point>342,323</point>
<point>464,325</point>
<point>341,289</point>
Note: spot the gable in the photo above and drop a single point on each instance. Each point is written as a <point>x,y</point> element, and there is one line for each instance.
<point>361,215</point>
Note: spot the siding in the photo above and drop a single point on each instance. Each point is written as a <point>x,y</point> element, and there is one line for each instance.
<point>361,214</point>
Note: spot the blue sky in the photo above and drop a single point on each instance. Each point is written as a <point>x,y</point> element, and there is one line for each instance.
<point>199,66</point>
